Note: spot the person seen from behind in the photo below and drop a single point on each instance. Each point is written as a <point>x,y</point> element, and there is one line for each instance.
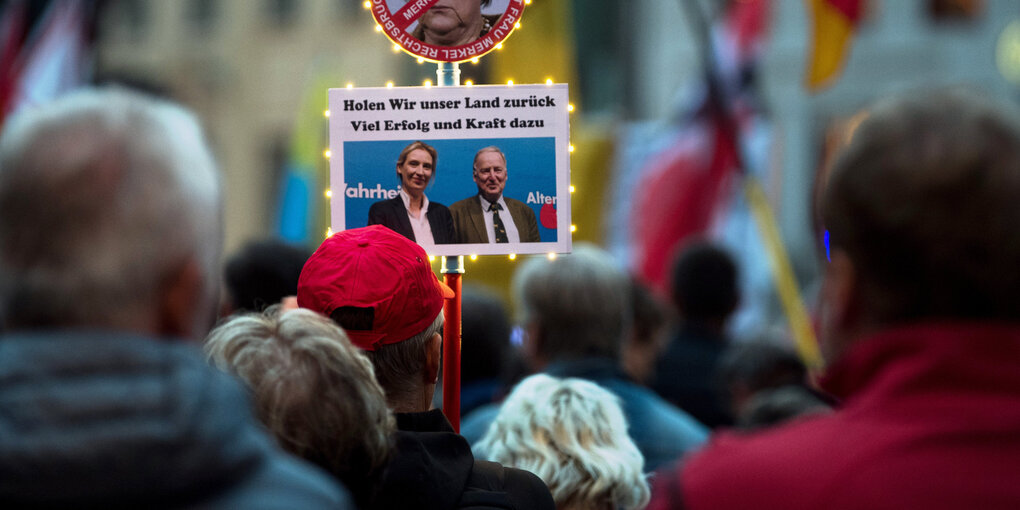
<point>573,435</point>
<point>313,390</point>
<point>575,311</point>
<point>110,236</point>
<point>379,286</point>
<point>920,328</point>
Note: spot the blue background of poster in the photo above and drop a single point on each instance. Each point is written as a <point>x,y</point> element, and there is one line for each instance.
<point>531,168</point>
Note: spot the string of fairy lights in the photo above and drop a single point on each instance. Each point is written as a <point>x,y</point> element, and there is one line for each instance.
<point>328,193</point>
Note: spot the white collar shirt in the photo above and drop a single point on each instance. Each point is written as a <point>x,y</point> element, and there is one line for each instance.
<point>420,225</point>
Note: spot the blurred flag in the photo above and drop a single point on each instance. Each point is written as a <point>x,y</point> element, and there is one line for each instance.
<point>701,178</point>
<point>13,27</point>
<point>674,182</point>
<point>834,24</point>
<point>306,173</point>
<point>45,59</point>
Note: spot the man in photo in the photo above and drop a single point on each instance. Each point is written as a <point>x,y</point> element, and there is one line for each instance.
<point>490,217</point>
<point>410,213</point>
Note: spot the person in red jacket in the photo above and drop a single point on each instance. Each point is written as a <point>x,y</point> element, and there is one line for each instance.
<point>920,326</point>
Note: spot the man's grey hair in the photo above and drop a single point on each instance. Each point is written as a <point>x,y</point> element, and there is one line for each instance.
<point>483,150</point>
<point>580,303</point>
<point>104,195</point>
<point>572,434</point>
<point>398,366</point>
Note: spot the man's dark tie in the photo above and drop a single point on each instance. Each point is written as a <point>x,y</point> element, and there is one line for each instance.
<point>497,223</point>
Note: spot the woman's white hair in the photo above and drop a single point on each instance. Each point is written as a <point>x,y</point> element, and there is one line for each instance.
<point>573,435</point>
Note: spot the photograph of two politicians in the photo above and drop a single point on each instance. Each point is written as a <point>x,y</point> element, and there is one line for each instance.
<point>495,182</point>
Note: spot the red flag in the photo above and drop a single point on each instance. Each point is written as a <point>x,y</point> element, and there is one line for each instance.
<point>13,21</point>
<point>834,24</point>
<point>682,189</point>
<point>680,198</point>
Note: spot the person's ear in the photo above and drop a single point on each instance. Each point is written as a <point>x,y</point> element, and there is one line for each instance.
<point>840,313</point>
<point>183,300</point>
<point>433,358</point>
<point>532,346</point>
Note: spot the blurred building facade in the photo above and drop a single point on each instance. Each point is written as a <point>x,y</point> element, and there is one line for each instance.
<point>244,66</point>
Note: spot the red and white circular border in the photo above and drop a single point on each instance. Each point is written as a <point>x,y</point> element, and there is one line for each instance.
<point>394,25</point>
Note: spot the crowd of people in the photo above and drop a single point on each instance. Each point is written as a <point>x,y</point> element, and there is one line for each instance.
<point>125,382</point>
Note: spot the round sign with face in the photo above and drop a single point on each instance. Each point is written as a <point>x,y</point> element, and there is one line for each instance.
<point>447,30</point>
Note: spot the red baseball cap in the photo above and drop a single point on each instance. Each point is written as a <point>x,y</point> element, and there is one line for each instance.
<point>378,276</point>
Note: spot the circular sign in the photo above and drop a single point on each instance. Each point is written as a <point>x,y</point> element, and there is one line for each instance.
<point>447,30</point>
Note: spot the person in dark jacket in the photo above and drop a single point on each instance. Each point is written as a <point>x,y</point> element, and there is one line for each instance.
<point>487,358</point>
<point>380,287</point>
<point>108,256</point>
<point>261,274</point>
<point>411,214</point>
<point>705,294</point>
<point>576,312</point>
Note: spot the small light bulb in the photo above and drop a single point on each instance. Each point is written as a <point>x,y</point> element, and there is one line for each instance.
<point>327,153</point>
<point>527,2</point>
<point>396,48</point>
<point>326,113</point>
<point>367,4</point>
<point>469,83</point>
<point>427,83</point>
<point>570,107</point>
<point>571,188</point>
<point>474,60</point>
<point>474,257</point>
<point>499,46</point>
<point>350,85</point>
<point>570,148</point>
<point>389,84</point>
<point>421,60</point>
<point>510,83</point>
<point>378,28</point>
<point>432,258</point>
<point>548,81</point>
<point>517,25</point>
<point>328,193</point>
<point>329,231</point>
<point>573,228</point>
<point>513,256</point>
<point>552,256</point>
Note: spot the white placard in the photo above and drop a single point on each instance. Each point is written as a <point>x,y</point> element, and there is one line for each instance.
<point>529,124</point>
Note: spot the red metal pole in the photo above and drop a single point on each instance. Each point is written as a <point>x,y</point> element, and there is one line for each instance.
<point>448,74</point>
<point>451,351</point>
